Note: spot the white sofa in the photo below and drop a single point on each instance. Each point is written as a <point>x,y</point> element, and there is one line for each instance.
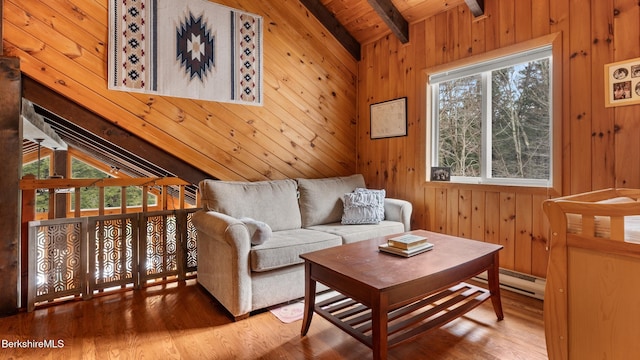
<point>304,215</point>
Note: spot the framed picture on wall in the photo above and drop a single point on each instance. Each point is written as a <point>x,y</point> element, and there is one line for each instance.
<point>622,83</point>
<point>389,118</point>
<point>440,173</point>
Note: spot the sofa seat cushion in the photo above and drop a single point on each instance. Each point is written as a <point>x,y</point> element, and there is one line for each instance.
<point>285,247</point>
<point>354,233</point>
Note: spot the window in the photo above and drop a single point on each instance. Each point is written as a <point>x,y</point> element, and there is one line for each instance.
<point>492,120</point>
<point>40,169</point>
<point>89,197</point>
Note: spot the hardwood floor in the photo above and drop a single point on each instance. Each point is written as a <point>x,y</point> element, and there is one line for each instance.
<point>181,321</point>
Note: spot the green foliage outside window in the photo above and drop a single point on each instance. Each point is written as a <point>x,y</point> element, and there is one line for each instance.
<point>42,197</point>
<point>89,197</point>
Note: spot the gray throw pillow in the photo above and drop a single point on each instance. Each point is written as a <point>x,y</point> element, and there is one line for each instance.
<point>363,206</point>
<point>259,231</point>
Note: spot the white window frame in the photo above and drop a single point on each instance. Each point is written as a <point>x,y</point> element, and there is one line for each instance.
<point>509,56</point>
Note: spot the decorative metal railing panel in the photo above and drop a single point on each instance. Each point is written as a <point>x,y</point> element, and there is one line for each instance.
<point>113,256</point>
<point>79,256</point>
<point>57,254</point>
<point>190,245</point>
<point>160,246</point>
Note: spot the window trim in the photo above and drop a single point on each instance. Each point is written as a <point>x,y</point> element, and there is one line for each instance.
<point>553,40</point>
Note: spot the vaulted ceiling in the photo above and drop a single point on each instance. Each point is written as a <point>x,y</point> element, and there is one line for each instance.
<point>357,22</point>
<point>352,22</point>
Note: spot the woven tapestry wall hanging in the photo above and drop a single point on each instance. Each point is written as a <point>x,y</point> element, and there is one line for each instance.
<point>192,48</point>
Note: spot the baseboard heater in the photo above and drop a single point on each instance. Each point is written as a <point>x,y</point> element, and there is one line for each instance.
<point>518,282</point>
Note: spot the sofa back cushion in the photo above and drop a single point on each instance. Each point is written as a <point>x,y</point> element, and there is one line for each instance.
<point>273,202</point>
<point>321,199</point>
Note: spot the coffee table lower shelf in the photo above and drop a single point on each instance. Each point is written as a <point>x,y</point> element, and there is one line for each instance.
<point>406,322</point>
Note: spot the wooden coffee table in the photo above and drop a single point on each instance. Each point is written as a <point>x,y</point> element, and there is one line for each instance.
<point>386,300</point>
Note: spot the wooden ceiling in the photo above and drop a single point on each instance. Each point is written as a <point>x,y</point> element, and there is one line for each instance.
<point>365,21</point>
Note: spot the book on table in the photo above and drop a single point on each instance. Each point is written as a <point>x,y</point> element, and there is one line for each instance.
<point>407,241</point>
<point>405,252</point>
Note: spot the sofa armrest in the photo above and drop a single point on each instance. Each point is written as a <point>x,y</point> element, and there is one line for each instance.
<point>224,270</point>
<point>398,210</point>
<point>215,225</point>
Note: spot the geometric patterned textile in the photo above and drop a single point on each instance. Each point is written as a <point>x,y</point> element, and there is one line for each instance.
<point>192,48</point>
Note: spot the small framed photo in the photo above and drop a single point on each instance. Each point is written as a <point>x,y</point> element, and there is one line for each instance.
<point>622,83</point>
<point>389,118</point>
<point>440,173</point>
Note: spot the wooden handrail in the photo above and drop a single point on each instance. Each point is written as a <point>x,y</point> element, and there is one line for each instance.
<point>156,185</point>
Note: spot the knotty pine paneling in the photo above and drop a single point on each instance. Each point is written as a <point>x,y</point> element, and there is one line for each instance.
<point>626,45</point>
<point>507,229</point>
<point>602,133</point>
<point>306,128</point>
<point>523,20</point>
<point>310,126</point>
<point>464,213</point>
<point>523,232</point>
<point>581,88</point>
<point>599,145</point>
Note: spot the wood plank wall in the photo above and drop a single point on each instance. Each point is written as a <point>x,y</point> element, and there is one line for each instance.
<point>600,146</point>
<point>306,127</point>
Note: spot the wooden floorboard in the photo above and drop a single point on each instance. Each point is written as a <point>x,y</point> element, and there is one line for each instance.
<point>181,321</point>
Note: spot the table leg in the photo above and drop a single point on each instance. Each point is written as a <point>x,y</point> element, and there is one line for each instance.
<point>309,298</point>
<point>493,275</point>
<point>379,323</point>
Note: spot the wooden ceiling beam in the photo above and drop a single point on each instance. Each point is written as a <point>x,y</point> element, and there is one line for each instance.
<point>329,21</point>
<point>393,18</point>
<point>476,7</point>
